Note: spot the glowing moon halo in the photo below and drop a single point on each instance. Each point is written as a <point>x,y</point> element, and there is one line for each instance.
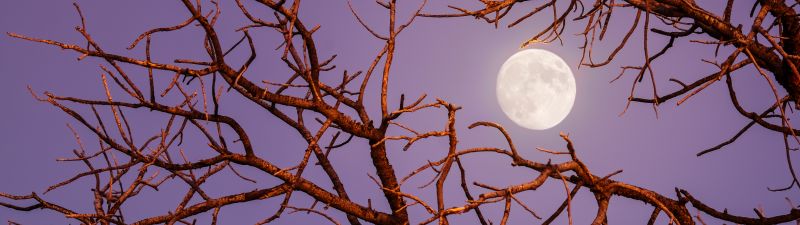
<point>535,89</point>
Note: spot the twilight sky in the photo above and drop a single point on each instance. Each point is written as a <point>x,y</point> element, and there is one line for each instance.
<point>453,59</point>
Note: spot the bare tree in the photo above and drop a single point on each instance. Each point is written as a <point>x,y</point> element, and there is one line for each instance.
<point>339,110</point>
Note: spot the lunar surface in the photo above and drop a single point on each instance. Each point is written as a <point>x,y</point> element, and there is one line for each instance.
<point>536,89</point>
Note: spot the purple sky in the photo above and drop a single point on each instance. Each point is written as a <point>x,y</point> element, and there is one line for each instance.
<point>453,59</point>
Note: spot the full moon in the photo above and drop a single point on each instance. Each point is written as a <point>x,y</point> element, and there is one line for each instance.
<point>535,89</point>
